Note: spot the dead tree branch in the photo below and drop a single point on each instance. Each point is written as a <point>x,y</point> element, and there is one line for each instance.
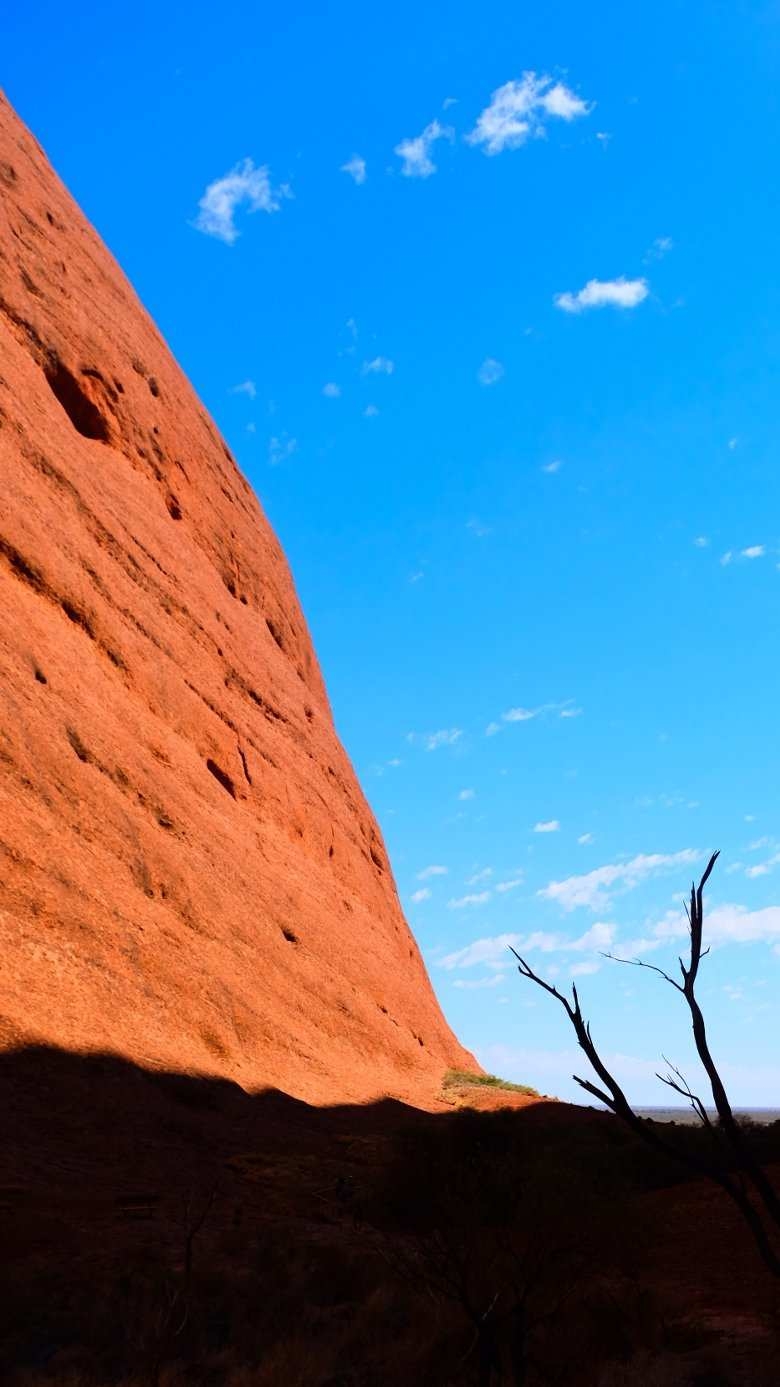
<point>749,1172</point>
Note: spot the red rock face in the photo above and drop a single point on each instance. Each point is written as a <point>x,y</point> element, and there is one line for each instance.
<point>189,873</point>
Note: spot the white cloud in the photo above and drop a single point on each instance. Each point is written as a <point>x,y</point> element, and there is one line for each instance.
<point>585,838</point>
<point>280,448</point>
<point>762,869</point>
<point>490,372</point>
<point>518,110</point>
<point>492,952</point>
<point>416,153</point>
<point>547,826</point>
<point>356,168</point>
<point>552,467</point>
<point>446,736</point>
<point>476,898</point>
<point>561,102</point>
<point>370,412</point>
<point>727,924</point>
<point>424,894</point>
<point>244,185</point>
<point>754,551</point>
<point>247,387</point>
<point>701,542</point>
<point>474,984</point>
<point>331,390</point>
<point>603,293</point>
<point>380,366</point>
<point>520,714</point>
<point>725,559</point>
<point>466,794</point>
<point>581,970</point>
<point>432,871</point>
<point>595,888</point>
<point>503,886</point>
<point>732,444</point>
<point>660,247</point>
<point>479,876</point>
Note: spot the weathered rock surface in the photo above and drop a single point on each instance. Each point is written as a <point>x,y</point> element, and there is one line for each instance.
<point>189,873</point>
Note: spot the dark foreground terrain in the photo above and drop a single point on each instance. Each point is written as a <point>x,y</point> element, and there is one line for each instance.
<point>161,1229</point>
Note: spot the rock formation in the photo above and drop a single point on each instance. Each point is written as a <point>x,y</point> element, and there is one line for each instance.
<point>189,873</point>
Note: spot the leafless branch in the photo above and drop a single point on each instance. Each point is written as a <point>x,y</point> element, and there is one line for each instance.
<point>741,1175</point>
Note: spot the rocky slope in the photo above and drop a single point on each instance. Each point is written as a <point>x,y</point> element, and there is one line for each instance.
<point>189,874</point>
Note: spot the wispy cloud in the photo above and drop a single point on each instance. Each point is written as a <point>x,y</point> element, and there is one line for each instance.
<point>424,894</point>
<point>547,826</point>
<point>492,952</point>
<point>519,110</point>
<point>481,875</point>
<point>585,838</point>
<point>280,448</point>
<point>477,528</point>
<point>466,794</point>
<point>490,372</point>
<point>379,366</point>
<point>433,871</point>
<point>701,542</point>
<point>754,551</point>
<point>370,412</point>
<point>552,467</point>
<point>331,390</point>
<point>446,736</point>
<point>604,293</point>
<point>595,889</point>
<point>475,984</point>
<point>247,387</point>
<point>476,898</point>
<point>244,186</point>
<point>567,709</point>
<point>503,886</point>
<point>356,168</point>
<point>660,247</point>
<point>416,152</point>
<point>727,924</point>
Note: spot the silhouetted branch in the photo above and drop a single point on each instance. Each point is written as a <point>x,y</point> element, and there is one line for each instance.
<point>683,1088</point>
<point>640,963</point>
<point>612,1096</point>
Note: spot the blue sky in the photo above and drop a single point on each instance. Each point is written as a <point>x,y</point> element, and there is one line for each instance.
<point>506,385</point>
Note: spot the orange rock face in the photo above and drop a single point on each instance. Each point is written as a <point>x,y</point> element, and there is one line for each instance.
<point>189,873</point>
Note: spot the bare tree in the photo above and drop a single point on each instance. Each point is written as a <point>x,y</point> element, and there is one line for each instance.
<point>730,1161</point>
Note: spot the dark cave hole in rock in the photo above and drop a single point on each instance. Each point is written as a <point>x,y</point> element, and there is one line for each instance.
<point>84,415</point>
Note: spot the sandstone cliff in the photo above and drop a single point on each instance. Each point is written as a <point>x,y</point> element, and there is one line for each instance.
<point>189,873</point>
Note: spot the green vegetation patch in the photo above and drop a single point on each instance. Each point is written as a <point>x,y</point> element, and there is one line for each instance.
<point>462,1078</point>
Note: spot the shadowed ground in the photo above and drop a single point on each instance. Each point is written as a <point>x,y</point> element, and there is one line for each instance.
<point>162,1228</point>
